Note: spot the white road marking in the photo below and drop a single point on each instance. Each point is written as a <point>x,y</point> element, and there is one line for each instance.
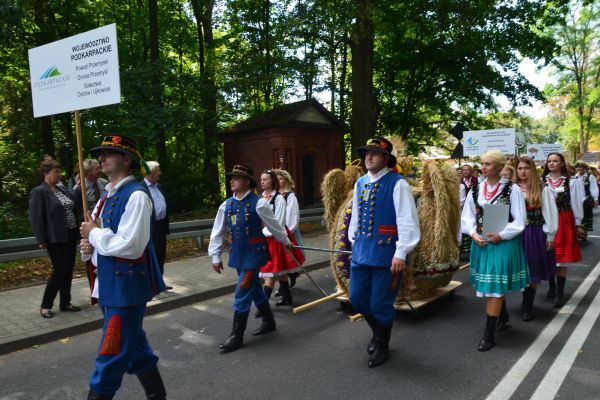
<point>557,373</point>
<point>519,371</point>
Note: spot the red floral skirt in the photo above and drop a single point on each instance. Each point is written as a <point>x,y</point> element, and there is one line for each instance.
<point>565,243</point>
<point>281,263</point>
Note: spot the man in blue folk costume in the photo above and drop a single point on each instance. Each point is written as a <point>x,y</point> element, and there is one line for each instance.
<point>384,228</point>
<point>244,214</point>
<point>117,239</point>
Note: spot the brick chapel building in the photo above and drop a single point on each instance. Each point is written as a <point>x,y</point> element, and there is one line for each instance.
<point>303,138</point>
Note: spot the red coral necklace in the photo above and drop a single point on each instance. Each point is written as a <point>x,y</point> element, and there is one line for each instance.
<point>555,184</point>
<point>486,194</point>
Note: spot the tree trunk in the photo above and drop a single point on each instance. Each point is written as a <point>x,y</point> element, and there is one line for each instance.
<point>208,94</point>
<point>343,74</point>
<point>364,103</point>
<point>161,148</point>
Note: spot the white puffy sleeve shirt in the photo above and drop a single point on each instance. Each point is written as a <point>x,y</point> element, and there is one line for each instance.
<point>407,218</point>
<point>517,210</point>
<point>462,193</point>
<point>577,196</point>
<point>263,209</point>
<point>594,191</point>
<point>550,213</point>
<point>133,232</point>
<point>292,212</point>
<point>279,212</point>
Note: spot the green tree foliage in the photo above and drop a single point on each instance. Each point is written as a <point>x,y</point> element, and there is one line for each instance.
<point>577,64</point>
<point>439,61</point>
<point>190,69</point>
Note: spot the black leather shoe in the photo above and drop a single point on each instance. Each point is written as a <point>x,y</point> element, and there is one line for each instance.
<point>70,308</point>
<point>268,321</point>
<point>233,342</point>
<point>284,301</point>
<point>371,347</point>
<point>381,342</point>
<point>236,337</point>
<point>47,314</point>
<point>278,293</point>
<point>97,396</point>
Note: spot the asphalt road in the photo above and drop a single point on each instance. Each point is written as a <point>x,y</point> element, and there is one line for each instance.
<point>320,354</point>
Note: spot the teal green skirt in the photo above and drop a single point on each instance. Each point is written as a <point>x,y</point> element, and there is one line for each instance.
<point>499,268</point>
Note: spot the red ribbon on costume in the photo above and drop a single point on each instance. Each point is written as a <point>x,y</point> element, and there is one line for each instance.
<point>90,265</point>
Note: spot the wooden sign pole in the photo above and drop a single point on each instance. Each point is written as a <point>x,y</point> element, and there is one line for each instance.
<point>81,171</point>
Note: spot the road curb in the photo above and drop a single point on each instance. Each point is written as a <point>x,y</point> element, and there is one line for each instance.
<point>155,307</point>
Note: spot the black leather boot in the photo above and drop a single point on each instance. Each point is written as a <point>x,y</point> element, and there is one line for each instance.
<point>551,288</point>
<point>559,301</point>
<point>268,291</point>
<point>503,318</point>
<point>293,276</point>
<point>268,321</point>
<point>371,321</point>
<point>489,338</point>
<point>236,337</point>
<point>153,384</point>
<point>528,298</point>
<point>97,396</point>
<point>382,341</point>
<point>286,297</point>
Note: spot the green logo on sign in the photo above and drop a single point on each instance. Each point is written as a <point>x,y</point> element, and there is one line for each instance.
<point>50,72</point>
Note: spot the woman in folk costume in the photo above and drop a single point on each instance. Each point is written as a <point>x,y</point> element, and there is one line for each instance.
<point>538,237</point>
<point>568,194</point>
<point>498,262</point>
<point>590,185</point>
<point>280,264</point>
<point>292,215</point>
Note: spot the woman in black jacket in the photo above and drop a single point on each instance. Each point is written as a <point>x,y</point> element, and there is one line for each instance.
<point>55,226</point>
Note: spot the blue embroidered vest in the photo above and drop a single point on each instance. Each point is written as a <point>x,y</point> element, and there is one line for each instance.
<point>124,282</point>
<point>248,244</point>
<point>376,231</point>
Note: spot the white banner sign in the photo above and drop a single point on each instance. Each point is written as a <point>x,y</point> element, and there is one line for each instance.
<point>540,151</point>
<point>475,143</point>
<point>75,73</point>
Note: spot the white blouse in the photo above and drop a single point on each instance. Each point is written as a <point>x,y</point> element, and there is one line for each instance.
<point>550,214</point>
<point>279,211</point>
<point>517,210</point>
<point>292,211</point>
<point>577,193</point>
<point>462,193</point>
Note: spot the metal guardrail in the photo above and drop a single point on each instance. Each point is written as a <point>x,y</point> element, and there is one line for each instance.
<point>27,248</point>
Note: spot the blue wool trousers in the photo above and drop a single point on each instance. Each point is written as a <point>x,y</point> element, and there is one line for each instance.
<point>373,291</point>
<point>248,290</point>
<point>123,349</point>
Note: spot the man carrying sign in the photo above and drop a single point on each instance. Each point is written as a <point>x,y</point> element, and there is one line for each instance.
<point>117,238</point>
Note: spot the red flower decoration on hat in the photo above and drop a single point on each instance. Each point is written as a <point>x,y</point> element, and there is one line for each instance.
<point>116,139</point>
